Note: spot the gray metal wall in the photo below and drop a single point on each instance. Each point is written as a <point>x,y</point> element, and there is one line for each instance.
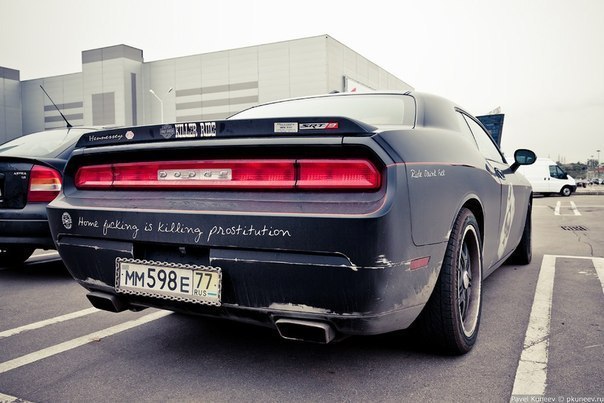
<point>344,62</point>
<point>216,85</point>
<point>115,85</point>
<point>10,104</point>
<point>110,89</point>
<point>39,113</point>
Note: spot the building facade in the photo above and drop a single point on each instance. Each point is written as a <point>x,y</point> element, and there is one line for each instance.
<point>116,86</point>
<point>10,104</point>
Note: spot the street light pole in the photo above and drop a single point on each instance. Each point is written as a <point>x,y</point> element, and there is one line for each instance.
<point>161,104</point>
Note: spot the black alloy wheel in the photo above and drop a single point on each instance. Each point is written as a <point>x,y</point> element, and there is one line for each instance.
<point>451,317</point>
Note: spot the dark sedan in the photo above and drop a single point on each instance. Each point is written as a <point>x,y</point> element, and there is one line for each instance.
<point>322,217</point>
<point>30,176</point>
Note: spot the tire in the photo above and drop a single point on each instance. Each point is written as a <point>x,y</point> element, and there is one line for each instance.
<point>14,256</point>
<point>451,318</point>
<point>523,254</point>
<point>566,191</point>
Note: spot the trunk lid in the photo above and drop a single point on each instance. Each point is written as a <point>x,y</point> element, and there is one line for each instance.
<point>14,182</point>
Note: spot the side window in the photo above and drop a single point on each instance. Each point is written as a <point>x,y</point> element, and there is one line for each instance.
<point>465,130</point>
<point>485,143</point>
<point>556,172</point>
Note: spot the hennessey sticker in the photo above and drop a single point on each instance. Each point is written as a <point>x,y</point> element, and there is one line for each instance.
<point>105,137</point>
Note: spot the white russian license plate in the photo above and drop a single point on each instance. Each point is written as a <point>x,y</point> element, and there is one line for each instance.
<point>189,283</point>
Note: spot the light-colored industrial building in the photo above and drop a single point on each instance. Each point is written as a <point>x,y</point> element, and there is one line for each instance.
<point>117,87</point>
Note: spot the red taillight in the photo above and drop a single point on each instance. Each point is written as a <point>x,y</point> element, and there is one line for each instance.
<point>232,174</point>
<point>337,174</point>
<point>267,174</point>
<point>273,174</point>
<point>44,184</point>
<point>100,176</point>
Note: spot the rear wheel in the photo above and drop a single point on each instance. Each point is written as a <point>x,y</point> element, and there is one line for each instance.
<point>451,318</point>
<point>14,255</point>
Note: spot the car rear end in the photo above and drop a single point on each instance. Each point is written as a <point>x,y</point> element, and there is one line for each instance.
<point>305,231</point>
<point>26,187</point>
<point>30,177</point>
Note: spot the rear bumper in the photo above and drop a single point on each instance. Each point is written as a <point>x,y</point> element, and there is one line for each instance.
<point>332,262</point>
<point>26,227</point>
<point>262,287</point>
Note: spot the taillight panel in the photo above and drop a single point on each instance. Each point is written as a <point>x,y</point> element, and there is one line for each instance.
<point>337,174</point>
<point>44,184</point>
<point>253,174</point>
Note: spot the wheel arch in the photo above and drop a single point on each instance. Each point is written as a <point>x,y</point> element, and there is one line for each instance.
<point>442,321</point>
<point>475,207</point>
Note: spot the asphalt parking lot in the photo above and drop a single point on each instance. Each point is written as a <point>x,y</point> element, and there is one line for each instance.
<point>541,335</point>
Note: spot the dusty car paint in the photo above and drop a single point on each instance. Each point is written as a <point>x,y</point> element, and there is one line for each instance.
<point>356,262</point>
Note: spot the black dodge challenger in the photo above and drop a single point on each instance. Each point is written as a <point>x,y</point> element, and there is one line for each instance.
<point>325,216</point>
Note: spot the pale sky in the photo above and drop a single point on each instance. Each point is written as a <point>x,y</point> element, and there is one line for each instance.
<point>541,61</point>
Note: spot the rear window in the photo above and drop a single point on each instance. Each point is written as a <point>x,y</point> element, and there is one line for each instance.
<point>374,109</point>
<point>42,144</point>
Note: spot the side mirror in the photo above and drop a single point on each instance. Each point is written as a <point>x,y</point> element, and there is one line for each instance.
<point>523,157</point>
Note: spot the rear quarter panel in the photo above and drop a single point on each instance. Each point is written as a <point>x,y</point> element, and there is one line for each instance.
<point>444,173</point>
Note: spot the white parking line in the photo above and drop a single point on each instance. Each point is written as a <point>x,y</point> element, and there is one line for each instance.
<point>599,265</point>
<point>80,341</point>
<point>531,374</point>
<point>573,207</point>
<point>11,399</point>
<point>532,368</point>
<point>42,323</point>
<point>53,253</point>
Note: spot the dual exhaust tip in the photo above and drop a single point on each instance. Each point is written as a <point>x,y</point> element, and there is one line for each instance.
<point>290,329</point>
